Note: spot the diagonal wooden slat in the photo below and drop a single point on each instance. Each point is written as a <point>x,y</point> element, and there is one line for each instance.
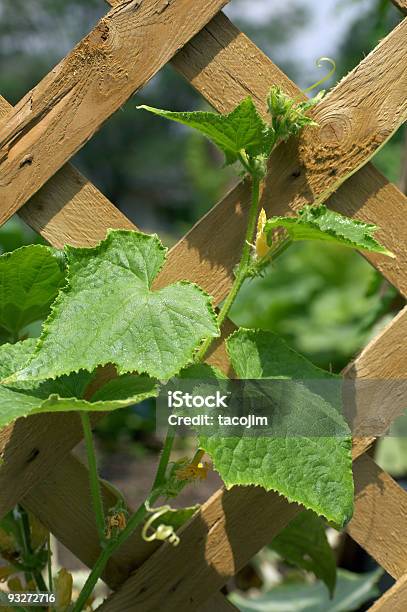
<point>62,502</point>
<point>401,4</point>
<point>205,256</point>
<point>223,540</point>
<point>379,524</point>
<point>394,600</point>
<point>237,68</point>
<point>32,450</point>
<point>209,61</point>
<point>67,486</point>
<point>63,212</point>
<point>55,119</point>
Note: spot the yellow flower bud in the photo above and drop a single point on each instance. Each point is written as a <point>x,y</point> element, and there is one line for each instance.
<point>262,248</point>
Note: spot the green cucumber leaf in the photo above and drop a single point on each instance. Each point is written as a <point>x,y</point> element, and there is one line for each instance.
<point>30,278</point>
<point>320,223</point>
<point>352,591</point>
<point>63,394</point>
<point>107,313</point>
<point>241,130</point>
<point>303,543</point>
<point>314,471</point>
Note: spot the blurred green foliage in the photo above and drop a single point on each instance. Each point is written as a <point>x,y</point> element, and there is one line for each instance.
<point>325,301</point>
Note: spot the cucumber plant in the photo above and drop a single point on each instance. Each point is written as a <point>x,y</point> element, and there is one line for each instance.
<point>104,312</point>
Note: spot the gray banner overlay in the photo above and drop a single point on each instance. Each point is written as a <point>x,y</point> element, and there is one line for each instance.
<point>315,407</point>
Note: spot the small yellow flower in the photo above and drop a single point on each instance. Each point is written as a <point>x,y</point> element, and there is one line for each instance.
<point>116,522</point>
<point>262,248</point>
<point>193,472</point>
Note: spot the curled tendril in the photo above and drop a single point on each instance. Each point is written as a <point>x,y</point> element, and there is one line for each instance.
<point>162,532</point>
<point>320,63</point>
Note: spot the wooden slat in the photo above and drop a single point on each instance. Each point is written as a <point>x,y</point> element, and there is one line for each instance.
<point>221,541</point>
<point>401,5</point>
<point>62,502</point>
<point>53,121</point>
<point>218,603</point>
<point>69,209</point>
<point>379,523</point>
<point>230,528</point>
<point>379,393</point>
<point>224,80</point>
<point>225,66</point>
<point>187,256</point>
<point>394,600</point>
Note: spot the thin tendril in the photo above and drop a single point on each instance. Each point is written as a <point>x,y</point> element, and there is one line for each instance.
<point>320,62</point>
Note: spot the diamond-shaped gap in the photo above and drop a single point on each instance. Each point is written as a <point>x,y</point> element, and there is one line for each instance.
<point>273,581</point>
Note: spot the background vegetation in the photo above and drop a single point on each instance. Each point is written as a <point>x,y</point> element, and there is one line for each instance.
<point>165,177</point>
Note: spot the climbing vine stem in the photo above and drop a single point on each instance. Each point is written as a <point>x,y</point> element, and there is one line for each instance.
<point>93,476</point>
<point>243,266</point>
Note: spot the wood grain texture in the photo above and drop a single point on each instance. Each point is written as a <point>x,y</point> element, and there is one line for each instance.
<point>369,191</point>
<point>355,119</point>
<point>229,529</point>
<point>394,600</point>
<point>401,5</point>
<point>379,523</point>
<point>55,119</point>
<point>376,388</point>
<point>62,502</point>
<point>221,542</point>
<point>69,209</point>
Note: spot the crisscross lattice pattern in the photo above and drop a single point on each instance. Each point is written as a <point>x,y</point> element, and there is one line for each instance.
<point>37,139</point>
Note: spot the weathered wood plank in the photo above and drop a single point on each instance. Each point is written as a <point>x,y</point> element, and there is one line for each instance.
<point>225,66</point>
<point>69,209</point>
<point>54,120</point>
<point>380,375</point>
<point>379,523</point>
<point>230,528</point>
<point>394,600</point>
<point>221,540</point>
<point>63,504</point>
<point>401,5</point>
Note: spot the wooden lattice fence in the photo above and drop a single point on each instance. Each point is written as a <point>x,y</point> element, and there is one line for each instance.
<point>37,139</point>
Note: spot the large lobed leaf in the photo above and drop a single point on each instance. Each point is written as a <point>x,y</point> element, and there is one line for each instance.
<point>314,470</point>
<point>107,313</point>
<point>65,393</point>
<point>30,278</point>
<point>304,543</point>
<point>241,130</point>
<point>352,591</point>
<point>320,223</point>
